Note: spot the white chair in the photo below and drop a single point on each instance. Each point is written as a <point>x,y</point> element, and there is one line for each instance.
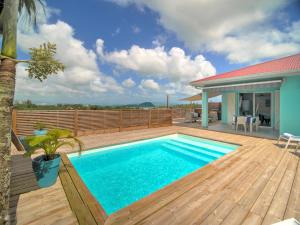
<point>291,221</point>
<point>241,120</point>
<point>289,138</point>
<point>254,122</point>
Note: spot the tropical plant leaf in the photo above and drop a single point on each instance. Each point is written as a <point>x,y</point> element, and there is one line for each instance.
<point>65,143</point>
<point>52,141</point>
<point>43,63</point>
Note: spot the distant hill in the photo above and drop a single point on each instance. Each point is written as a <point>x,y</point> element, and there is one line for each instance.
<point>31,106</point>
<point>147,105</point>
<point>141,105</point>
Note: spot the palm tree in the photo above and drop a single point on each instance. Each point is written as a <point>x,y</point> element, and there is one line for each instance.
<point>9,15</point>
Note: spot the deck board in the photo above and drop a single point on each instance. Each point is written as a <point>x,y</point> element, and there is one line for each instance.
<point>32,205</point>
<point>259,183</point>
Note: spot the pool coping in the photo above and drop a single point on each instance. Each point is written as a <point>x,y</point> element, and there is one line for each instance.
<point>89,211</point>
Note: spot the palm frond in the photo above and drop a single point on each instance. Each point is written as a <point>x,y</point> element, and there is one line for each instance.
<point>80,144</point>
<point>36,141</point>
<point>30,7</point>
<point>64,143</point>
<point>60,133</point>
<point>52,141</point>
<point>27,7</point>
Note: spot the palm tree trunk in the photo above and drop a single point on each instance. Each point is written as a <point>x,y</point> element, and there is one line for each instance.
<point>7,90</point>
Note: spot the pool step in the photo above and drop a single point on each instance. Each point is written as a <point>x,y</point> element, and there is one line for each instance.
<point>194,148</point>
<point>185,152</point>
<point>206,147</point>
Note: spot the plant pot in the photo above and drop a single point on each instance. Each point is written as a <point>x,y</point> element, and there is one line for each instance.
<point>46,172</point>
<point>40,132</point>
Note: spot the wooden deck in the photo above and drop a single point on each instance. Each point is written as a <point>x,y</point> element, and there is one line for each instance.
<point>259,183</point>
<point>31,205</point>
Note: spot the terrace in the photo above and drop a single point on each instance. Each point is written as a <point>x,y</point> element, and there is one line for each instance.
<point>259,183</point>
<point>263,132</point>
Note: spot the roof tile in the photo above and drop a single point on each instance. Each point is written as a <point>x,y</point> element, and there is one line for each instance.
<point>285,64</point>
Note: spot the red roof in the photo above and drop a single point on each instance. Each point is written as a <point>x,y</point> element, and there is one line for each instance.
<point>285,64</point>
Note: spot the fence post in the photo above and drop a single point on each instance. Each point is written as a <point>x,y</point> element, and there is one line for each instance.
<point>149,119</point>
<point>121,120</point>
<point>14,121</point>
<point>75,122</point>
<point>171,115</point>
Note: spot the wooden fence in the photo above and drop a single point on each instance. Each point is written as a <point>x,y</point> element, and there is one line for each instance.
<point>84,122</point>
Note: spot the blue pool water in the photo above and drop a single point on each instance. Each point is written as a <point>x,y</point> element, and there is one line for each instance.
<point>120,175</point>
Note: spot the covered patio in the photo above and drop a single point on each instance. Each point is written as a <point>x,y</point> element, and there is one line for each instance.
<point>226,123</point>
<point>258,100</point>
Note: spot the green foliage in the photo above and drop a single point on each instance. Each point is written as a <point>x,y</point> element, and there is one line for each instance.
<point>29,6</point>
<point>51,142</point>
<point>27,104</point>
<point>43,63</point>
<point>39,126</point>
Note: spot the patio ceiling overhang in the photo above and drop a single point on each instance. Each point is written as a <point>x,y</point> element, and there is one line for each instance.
<point>247,78</point>
<point>244,86</point>
<point>198,97</point>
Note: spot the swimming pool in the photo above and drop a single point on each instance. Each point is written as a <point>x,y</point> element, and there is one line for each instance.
<point>122,174</point>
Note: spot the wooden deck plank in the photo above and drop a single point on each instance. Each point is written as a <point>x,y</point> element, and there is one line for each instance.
<point>92,205</point>
<point>216,184</point>
<point>204,184</point>
<point>238,181</point>
<point>250,197</point>
<point>30,204</point>
<point>279,203</point>
<point>258,183</point>
<point>83,215</point>
<point>263,202</point>
<point>240,186</point>
<point>293,208</point>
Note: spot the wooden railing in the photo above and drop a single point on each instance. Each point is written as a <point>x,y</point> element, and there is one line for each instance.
<point>84,122</point>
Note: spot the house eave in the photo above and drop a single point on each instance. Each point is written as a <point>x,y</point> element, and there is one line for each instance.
<point>252,77</point>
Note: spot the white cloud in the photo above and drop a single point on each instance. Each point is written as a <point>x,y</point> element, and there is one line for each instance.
<point>264,44</point>
<point>214,24</point>
<point>116,32</point>
<point>136,29</point>
<point>180,89</point>
<point>82,74</point>
<point>129,83</point>
<point>174,64</point>
<point>149,84</point>
<point>159,40</point>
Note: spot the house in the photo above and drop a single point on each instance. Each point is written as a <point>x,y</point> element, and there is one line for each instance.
<point>269,90</point>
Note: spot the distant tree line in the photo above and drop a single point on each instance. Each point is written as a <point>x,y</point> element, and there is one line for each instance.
<point>29,105</point>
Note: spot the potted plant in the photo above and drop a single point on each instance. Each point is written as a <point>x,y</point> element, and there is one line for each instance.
<point>46,166</point>
<point>40,129</point>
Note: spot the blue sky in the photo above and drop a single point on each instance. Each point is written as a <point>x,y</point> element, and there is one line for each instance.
<point>131,51</point>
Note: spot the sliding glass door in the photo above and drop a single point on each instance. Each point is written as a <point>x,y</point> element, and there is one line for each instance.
<point>263,108</point>
<point>246,104</point>
<point>256,104</point>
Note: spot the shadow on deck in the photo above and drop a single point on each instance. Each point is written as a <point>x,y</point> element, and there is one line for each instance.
<point>22,181</point>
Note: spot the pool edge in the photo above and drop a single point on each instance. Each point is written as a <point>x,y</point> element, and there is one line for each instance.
<point>96,211</point>
<point>82,202</point>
